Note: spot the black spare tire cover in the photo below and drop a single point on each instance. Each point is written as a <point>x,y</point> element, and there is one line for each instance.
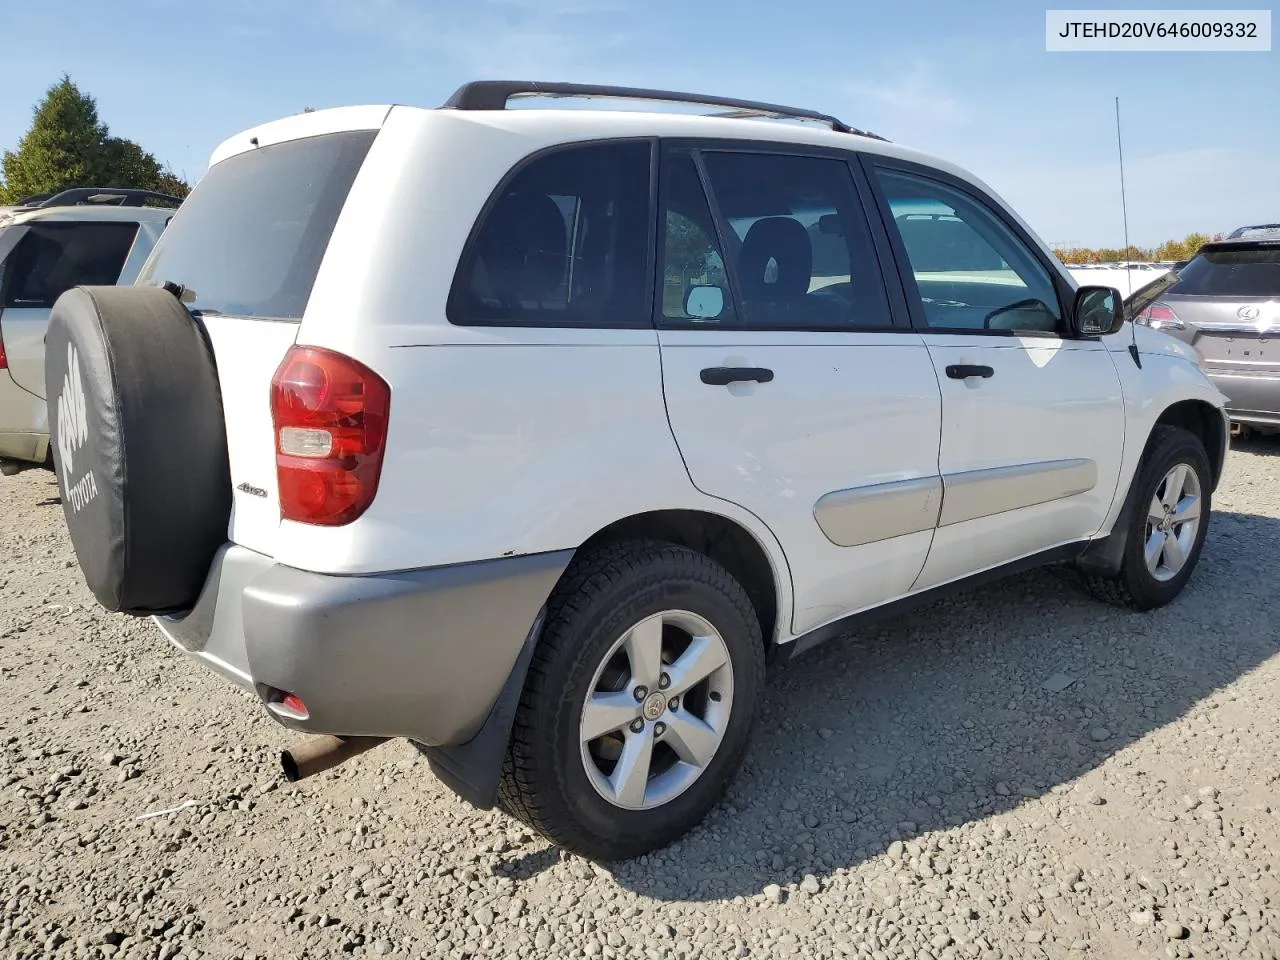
<point>140,446</point>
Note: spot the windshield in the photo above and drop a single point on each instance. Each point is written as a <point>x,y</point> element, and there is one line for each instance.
<point>249,239</point>
<point>1231,273</point>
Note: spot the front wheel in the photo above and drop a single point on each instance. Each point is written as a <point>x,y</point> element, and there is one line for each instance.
<point>1167,530</point>
<point>638,706</point>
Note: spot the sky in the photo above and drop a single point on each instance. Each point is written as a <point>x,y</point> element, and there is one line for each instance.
<point>968,81</point>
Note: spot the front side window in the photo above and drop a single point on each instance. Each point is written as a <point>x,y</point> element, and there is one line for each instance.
<point>565,243</point>
<point>971,270</point>
<point>798,243</point>
<point>54,257</point>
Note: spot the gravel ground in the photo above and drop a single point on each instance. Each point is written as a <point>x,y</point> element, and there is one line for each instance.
<point>1018,772</point>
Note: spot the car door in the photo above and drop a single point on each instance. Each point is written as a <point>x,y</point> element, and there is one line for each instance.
<point>794,386</point>
<point>51,258</point>
<point>1033,421</point>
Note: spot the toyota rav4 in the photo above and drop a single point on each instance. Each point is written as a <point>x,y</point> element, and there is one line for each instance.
<point>532,435</point>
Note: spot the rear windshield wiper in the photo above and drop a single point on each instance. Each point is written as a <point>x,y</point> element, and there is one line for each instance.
<point>186,296</point>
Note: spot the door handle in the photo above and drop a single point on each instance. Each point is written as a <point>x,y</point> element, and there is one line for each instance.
<point>723,376</point>
<point>963,371</point>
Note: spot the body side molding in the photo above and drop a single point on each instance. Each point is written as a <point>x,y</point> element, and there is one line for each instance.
<point>984,493</point>
<point>881,511</point>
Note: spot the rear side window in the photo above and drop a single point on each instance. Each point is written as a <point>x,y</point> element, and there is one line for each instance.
<point>565,243</point>
<point>799,243</point>
<point>249,239</point>
<point>1231,273</point>
<point>54,257</point>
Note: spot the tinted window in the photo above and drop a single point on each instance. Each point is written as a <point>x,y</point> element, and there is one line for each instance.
<point>564,243</point>
<point>691,257</point>
<point>1231,273</point>
<point>54,257</point>
<point>972,271</point>
<point>249,239</point>
<point>801,252</point>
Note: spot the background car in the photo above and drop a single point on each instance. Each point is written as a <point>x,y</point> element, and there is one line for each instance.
<point>1226,303</point>
<point>86,236</point>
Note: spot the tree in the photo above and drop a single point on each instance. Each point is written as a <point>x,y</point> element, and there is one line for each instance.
<point>687,246</point>
<point>68,146</point>
<point>1193,242</point>
<point>1183,249</point>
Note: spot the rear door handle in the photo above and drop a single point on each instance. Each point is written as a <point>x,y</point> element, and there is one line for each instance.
<point>723,376</point>
<point>963,371</point>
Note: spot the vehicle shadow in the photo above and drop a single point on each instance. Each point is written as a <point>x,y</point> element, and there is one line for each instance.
<point>1260,445</point>
<point>942,717</point>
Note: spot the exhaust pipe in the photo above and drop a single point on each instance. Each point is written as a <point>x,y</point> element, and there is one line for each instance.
<point>320,753</point>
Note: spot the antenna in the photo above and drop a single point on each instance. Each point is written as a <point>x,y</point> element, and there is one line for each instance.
<point>1124,209</point>
<point>1124,213</point>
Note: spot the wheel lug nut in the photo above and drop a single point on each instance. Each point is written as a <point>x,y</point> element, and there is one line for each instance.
<point>659,729</point>
<point>673,703</point>
<point>641,693</point>
<point>664,681</point>
<point>637,725</point>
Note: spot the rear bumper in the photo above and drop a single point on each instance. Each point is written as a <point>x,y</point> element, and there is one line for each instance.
<point>1250,399</point>
<point>24,423</point>
<point>421,654</point>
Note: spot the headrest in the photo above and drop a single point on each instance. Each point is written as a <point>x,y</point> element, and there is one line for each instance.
<point>786,243</point>
<point>525,246</point>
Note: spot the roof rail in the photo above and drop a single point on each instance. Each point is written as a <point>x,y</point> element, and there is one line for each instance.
<point>1242,232</point>
<point>99,196</point>
<point>494,95</point>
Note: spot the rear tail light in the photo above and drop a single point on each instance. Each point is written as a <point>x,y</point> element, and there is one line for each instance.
<point>330,417</point>
<point>4,361</point>
<point>1161,316</point>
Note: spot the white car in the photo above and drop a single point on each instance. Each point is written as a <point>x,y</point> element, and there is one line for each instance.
<point>532,435</point>
<point>80,236</point>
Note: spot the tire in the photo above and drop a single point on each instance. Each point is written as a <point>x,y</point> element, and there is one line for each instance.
<point>1136,586</point>
<point>547,780</point>
<point>140,446</point>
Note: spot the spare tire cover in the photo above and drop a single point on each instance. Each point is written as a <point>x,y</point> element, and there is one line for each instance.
<point>135,418</point>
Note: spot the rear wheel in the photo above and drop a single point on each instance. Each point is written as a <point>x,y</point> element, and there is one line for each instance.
<point>639,701</point>
<point>1167,530</point>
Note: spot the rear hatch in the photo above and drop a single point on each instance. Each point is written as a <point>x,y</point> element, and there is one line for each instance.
<point>246,247</point>
<point>1228,301</point>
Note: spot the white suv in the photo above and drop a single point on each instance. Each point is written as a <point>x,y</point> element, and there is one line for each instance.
<point>48,245</point>
<point>532,435</point>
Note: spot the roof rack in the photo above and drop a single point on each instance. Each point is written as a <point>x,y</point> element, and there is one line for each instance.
<point>494,95</point>
<point>98,196</point>
<point>1264,228</point>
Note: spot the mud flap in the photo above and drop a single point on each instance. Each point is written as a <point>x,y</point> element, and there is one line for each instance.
<point>472,770</point>
<point>1104,557</point>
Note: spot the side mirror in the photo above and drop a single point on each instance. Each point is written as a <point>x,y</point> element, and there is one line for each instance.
<point>704,303</point>
<point>1097,312</point>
